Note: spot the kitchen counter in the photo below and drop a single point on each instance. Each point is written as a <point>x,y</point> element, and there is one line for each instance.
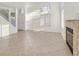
<point>74,24</point>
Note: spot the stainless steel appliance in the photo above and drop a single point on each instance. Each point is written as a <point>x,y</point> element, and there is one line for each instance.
<point>69,38</point>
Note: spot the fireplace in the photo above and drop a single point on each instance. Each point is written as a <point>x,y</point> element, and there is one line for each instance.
<point>69,38</point>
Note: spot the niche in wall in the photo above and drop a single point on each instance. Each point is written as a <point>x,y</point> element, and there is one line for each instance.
<point>13,19</point>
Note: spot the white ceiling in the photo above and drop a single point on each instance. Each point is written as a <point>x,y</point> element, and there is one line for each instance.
<point>13,4</point>
<point>19,4</point>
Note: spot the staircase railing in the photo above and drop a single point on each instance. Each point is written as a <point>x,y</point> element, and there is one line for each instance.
<point>5,14</point>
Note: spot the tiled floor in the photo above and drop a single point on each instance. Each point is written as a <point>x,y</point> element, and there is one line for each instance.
<point>33,43</point>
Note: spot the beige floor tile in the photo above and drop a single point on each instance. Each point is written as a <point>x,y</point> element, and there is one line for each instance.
<point>34,43</point>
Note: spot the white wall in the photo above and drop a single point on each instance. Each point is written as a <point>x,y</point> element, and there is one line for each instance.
<point>34,17</point>
<point>71,10</point>
<point>21,20</point>
<point>55,17</point>
<point>55,21</point>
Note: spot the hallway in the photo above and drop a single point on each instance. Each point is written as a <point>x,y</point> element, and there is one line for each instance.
<point>34,43</point>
